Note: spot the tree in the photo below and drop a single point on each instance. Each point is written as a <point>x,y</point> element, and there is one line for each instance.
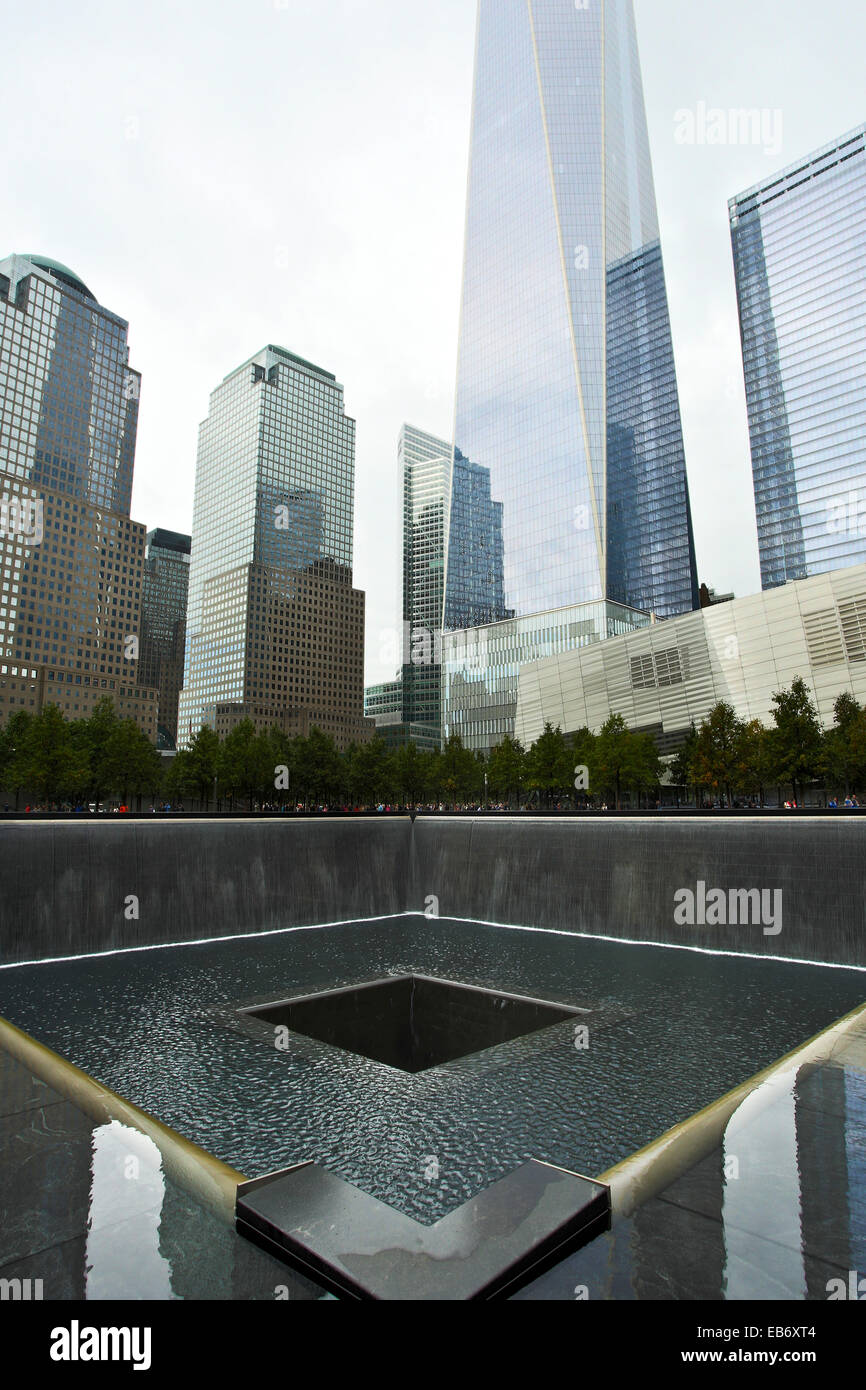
<point>245,765</point>
<point>583,752</point>
<point>796,743</point>
<point>13,762</point>
<point>550,764</point>
<point>682,768</point>
<point>622,759</point>
<point>318,766</point>
<point>755,765</point>
<point>53,766</point>
<point>458,771</point>
<point>717,753</point>
<point>203,764</point>
<point>506,770</point>
<point>179,782</point>
<point>130,761</point>
<point>411,771</point>
<point>842,758</point>
<point>97,733</point>
<point>370,771</point>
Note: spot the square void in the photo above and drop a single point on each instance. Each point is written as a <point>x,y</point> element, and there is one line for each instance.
<point>412,1021</point>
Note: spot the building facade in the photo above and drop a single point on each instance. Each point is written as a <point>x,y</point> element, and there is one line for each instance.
<point>566,387</point>
<point>799,245</point>
<point>672,675</point>
<point>71,558</point>
<point>425,474</point>
<point>275,630</point>
<point>163,625</point>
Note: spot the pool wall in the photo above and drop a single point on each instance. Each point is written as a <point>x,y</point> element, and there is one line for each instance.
<point>68,888</point>
<point>619,877</point>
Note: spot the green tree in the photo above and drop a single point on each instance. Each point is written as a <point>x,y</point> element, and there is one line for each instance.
<point>54,767</point>
<point>319,768</point>
<point>755,766</point>
<point>550,764</point>
<point>583,752</point>
<point>410,772</point>
<point>842,759</point>
<point>796,742</point>
<point>622,759</point>
<point>130,761</point>
<point>717,754</point>
<point>203,765</point>
<point>370,772</point>
<point>458,771</point>
<point>179,782</point>
<point>682,767</point>
<point>506,769</point>
<point>96,737</point>
<point>245,765</point>
<point>13,761</point>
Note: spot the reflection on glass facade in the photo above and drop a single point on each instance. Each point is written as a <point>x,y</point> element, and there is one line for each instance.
<point>70,557</point>
<point>163,624</point>
<point>425,472</point>
<point>566,390</point>
<point>800,262</point>
<point>481,666</point>
<point>275,629</point>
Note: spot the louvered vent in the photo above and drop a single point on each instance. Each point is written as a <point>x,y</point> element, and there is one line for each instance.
<point>643,676</point>
<point>853,616</point>
<point>824,638</point>
<point>667,668</point>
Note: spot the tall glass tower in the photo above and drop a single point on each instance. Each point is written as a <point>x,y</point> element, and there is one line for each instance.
<point>566,388</point>
<point>799,242</point>
<point>164,594</point>
<point>71,557</point>
<point>275,629</point>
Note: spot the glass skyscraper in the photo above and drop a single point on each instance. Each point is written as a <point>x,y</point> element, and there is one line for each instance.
<point>70,556</point>
<point>566,388</point>
<point>275,630</point>
<point>799,243</point>
<point>408,709</point>
<point>163,624</point>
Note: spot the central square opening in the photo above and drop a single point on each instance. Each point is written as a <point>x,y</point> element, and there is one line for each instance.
<point>412,1022</point>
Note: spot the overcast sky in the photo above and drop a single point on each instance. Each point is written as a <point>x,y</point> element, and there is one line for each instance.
<point>229,173</point>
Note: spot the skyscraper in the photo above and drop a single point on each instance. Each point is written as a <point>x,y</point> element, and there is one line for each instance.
<point>566,388</point>
<point>163,624</point>
<point>70,556</point>
<point>799,243</point>
<point>275,630</point>
<point>408,708</point>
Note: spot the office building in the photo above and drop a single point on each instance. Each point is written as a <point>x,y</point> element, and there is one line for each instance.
<point>275,630</point>
<point>566,388</point>
<point>799,244</point>
<point>71,558</point>
<point>672,675</point>
<point>163,625</point>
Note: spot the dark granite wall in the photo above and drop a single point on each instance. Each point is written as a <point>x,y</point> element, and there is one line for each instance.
<point>618,877</point>
<point>64,886</point>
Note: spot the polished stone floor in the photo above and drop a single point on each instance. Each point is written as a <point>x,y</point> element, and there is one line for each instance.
<point>87,1209</point>
<point>777,1212</point>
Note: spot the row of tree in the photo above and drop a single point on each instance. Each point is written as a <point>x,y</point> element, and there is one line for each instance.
<point>78,762</point>
<point>729,757</point>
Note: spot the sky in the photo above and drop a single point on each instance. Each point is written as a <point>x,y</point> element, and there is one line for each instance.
<point>240,172</point>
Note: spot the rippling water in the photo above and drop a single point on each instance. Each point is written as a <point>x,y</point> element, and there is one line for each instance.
<point>670,1031</point>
